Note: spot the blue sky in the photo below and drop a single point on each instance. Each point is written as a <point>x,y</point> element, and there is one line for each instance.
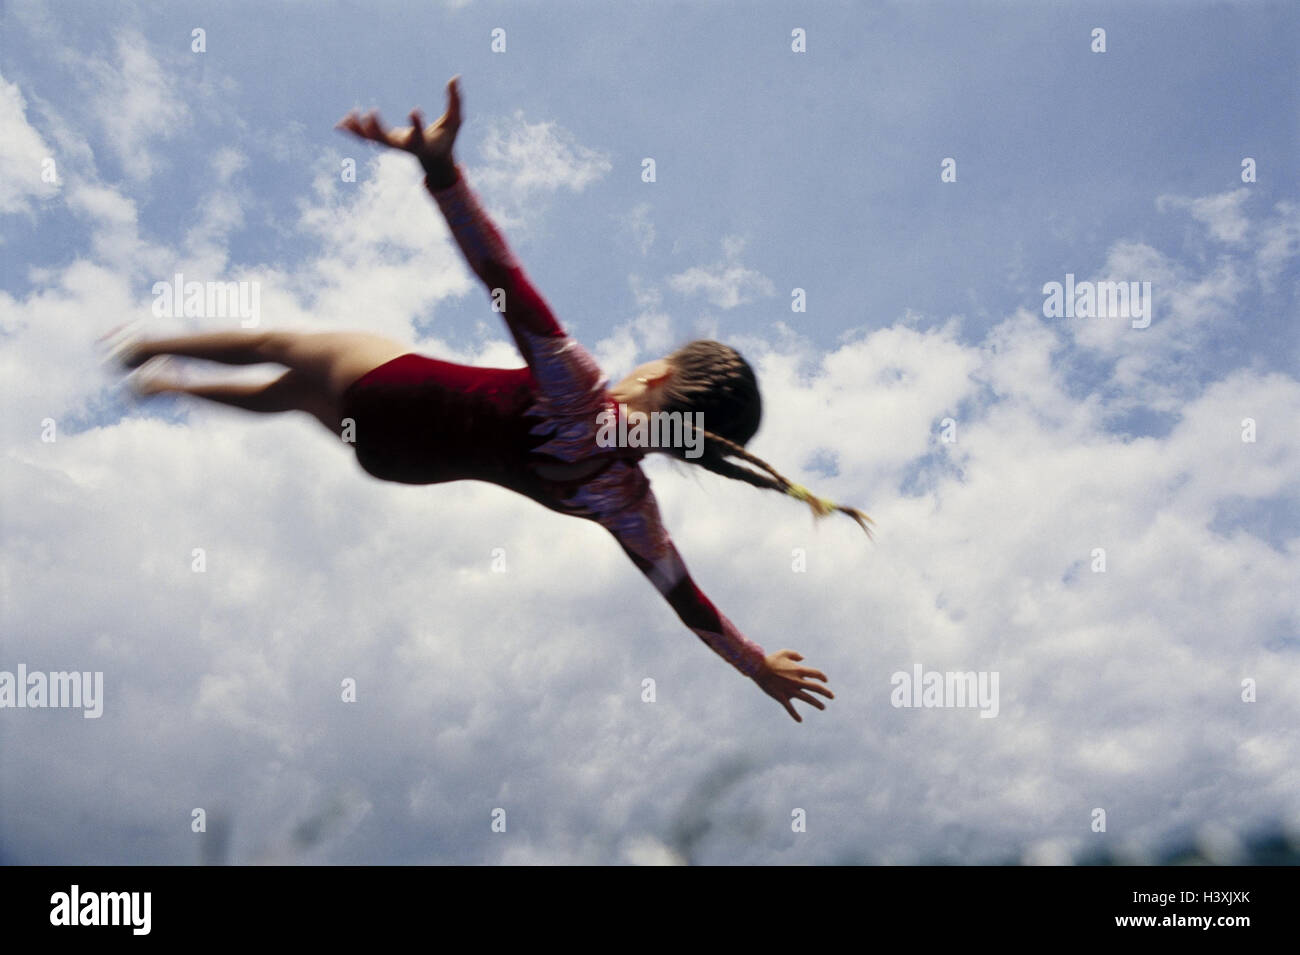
<point>775,170</point>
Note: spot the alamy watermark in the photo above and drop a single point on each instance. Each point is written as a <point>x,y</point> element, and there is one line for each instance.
<point>1098,300</point>
<point>651,429</point>
<point>76,907</point>
<point>59,689</point>
<point>181,299</point>
<point>946,689</point>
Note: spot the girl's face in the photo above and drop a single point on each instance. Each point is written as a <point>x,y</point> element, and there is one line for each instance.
<point>642,390</point>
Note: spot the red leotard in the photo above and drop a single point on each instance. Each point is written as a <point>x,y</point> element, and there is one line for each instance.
<point>418,420</point>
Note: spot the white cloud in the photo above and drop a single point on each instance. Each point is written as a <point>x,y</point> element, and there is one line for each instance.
<point>1279,242</point>
<point>725,284</point>
<point>227,161</point>
<point>105,205</point>
<point>1222,214</point>
<point>646,294</point>
<point>639,227</point>
<point>649,335</point>
<point>135,101</point>
<point>522,160</point>
<point>386,255</point>
<point>23,154</point>
<point>1161,366</point>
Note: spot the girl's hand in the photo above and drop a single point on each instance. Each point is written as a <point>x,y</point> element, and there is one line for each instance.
<point>783,679</point>
<point>432,146</point>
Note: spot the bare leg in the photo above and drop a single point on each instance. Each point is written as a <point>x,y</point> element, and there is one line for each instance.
<point>229,348</point>
<point>333,360</point>
<point>292,391</point>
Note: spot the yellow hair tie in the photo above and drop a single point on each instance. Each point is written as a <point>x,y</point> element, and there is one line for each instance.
<point>820,505</point>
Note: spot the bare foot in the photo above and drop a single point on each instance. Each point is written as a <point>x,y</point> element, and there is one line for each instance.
<point>150,376</point>
<point>133,355</point>
<point>123,347</point>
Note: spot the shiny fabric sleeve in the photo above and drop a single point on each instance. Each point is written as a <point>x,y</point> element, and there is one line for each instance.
<point>640,532</point>
<point>527,314</point>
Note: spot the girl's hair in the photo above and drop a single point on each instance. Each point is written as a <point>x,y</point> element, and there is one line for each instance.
<point>713,379</point>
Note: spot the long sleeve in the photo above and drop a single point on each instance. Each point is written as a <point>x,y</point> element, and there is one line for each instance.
<point>640,531</point>
<point>488,254</point>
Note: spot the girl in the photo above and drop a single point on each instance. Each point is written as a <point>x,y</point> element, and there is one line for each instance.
<point>418,420</point>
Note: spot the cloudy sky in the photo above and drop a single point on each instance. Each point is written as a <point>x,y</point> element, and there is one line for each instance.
<point>1106,516</point>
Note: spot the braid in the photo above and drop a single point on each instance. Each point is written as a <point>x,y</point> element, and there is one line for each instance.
<point>773,480</point>
<point>713,379</point>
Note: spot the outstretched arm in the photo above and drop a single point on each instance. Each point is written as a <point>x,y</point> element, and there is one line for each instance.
<point>488,254</point>
<point>527,315</point>
<point>643,538</point>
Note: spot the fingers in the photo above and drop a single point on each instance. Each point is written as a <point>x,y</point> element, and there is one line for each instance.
<point>798,684</point>
<point>358,123</point>
<point>370,126</point>
<point>417,130</point>
<point>374,126</point>
<point>352,123</point>
<point>801,695</point>
<point>818,688</point>
<point>364,125</point>
<point>453,100</point>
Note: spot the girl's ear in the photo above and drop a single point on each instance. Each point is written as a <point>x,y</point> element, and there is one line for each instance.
<point>657,372</point>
